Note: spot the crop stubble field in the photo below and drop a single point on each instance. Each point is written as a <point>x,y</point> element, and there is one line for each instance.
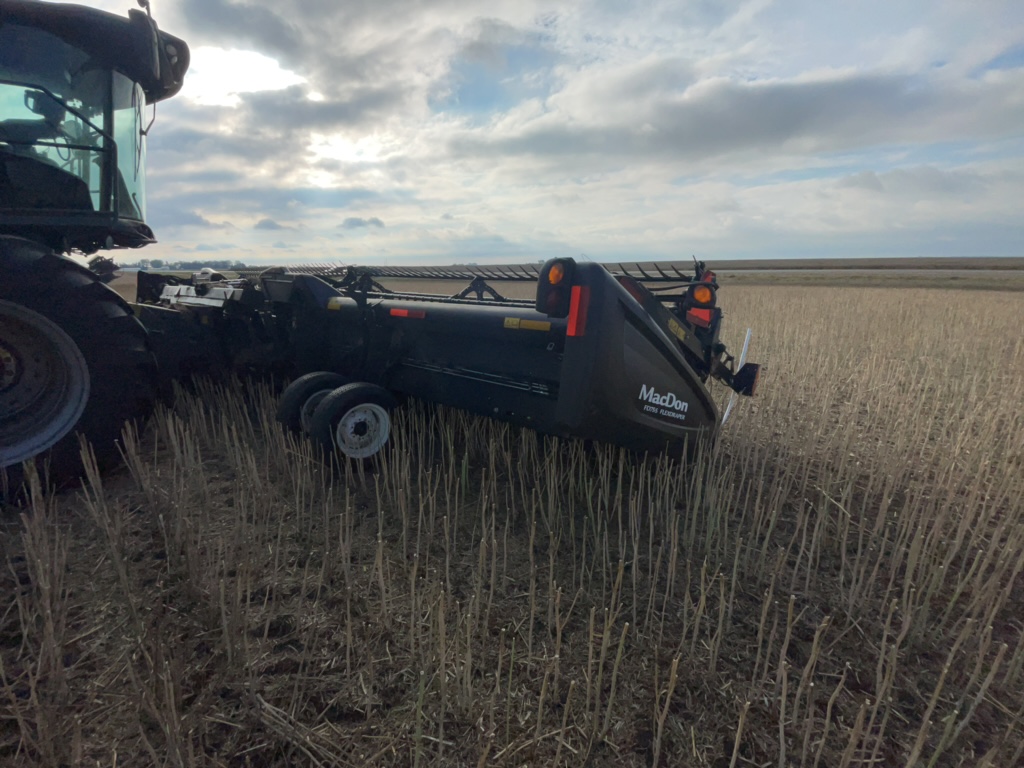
<point>838,583</point>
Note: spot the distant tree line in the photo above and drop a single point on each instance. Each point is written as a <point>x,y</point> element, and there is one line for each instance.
<point>184,266</point>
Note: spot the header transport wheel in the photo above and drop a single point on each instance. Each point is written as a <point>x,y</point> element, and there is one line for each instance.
<point>299,400</point>
<point>73,360</point>
<point>354,420</point>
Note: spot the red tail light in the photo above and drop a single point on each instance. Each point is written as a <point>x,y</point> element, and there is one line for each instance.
<point>418,314</point>
<point>578,306</point>
<point>632,288</point>
<point>701,317</point>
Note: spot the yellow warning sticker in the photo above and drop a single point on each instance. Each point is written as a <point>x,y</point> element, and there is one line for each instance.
<point>527,325</point>
<point>677,329</point>
<point>335,302</point>
<point>535,325</point>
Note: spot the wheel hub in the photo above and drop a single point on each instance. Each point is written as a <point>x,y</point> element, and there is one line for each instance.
<point>363,430</point>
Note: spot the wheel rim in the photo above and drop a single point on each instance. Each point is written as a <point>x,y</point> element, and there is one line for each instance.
<point>308,407</point>
<point>363,430</point>
<point>44,383</point>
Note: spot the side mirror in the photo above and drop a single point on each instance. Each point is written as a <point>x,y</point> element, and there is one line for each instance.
<point>147,41</point>
<point>49,109</point>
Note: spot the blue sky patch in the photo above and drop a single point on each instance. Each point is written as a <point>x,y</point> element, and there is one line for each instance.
<point>1011,58</point>
<point>496,83</point>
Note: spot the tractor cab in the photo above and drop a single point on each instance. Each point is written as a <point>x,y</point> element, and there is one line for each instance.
<point>74,86</point>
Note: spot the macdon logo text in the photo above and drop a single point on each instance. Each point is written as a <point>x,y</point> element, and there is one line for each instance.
<point>671,405</point>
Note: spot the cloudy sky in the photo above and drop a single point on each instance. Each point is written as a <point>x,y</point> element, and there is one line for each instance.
<point>440,131</point>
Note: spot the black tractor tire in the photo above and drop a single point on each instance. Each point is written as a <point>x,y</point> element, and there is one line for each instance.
<point>74,361</point>
<point>299,400</point>
<point>353,421</point>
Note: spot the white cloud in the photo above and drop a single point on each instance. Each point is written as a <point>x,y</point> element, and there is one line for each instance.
<point>516,129</point>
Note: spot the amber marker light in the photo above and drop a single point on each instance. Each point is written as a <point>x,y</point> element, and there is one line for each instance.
<point>556,274</point>
<point>703,294</point>
<point>553,287</point>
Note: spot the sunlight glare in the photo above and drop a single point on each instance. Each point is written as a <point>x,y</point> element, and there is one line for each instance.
<point>217,76</point>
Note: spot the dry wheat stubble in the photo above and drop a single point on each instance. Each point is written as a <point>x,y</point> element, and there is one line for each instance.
<point>837,584</point>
